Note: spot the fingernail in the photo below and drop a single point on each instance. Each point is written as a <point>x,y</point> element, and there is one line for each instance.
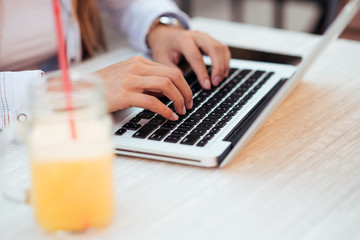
<point>207,84</point>
<point>175,117</point>
<point>184,110</point>
<point>191,104</point>
<point>217,80</point>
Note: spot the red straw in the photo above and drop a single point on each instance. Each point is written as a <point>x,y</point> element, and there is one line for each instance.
<point>63,63</point>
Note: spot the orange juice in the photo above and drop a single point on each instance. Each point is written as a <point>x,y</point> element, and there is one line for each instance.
<point>73,195</point>
<point>72,179</point>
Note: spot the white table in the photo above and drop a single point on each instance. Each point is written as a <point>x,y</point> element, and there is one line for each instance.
<point>298,178</point>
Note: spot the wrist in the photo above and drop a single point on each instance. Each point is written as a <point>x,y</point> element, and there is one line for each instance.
<point>161,23</point>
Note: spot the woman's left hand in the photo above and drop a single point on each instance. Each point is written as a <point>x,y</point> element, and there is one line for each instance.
<point>168,44</point>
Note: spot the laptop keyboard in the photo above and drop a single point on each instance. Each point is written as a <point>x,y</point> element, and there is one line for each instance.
<point>212,110</point>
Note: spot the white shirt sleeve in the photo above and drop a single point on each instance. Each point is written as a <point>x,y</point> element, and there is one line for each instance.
<point>135,17</point>
<point>14,94</point>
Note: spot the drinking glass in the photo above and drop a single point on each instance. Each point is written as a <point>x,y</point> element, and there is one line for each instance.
<point>67,148</point>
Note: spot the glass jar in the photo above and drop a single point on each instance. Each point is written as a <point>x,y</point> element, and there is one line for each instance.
<point>71,168</point>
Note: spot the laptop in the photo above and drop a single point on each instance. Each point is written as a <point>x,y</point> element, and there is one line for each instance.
<point>224,118</point>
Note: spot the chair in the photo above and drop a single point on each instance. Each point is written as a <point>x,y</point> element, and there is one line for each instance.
<point>328,8</point>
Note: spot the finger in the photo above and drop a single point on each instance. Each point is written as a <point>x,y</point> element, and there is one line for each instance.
<point>216,51</point>
<point>218,68</point>
<point>153,104</point>
<point>193,56</point>
<point>167,88</point>
<point>176,78</point>
<point>227,60</point>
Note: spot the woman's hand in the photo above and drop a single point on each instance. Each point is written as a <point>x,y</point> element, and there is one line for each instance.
<point>168,44</point>
<point>128,84</point>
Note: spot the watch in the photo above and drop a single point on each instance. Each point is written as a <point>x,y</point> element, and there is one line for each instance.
<point>167,20</point>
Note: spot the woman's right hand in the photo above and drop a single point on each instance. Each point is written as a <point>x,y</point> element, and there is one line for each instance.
<point>131,82</point>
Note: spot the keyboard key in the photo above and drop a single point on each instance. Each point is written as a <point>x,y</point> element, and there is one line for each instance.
<point>205,93</point>
<point>182,117</point>
<point>240,90</point>
<point>247,97</point>
<point>158,120</point>
<point>227,118</point>
<point>247,85</point>
<point>198,131</point>
<point>214,130</point>
<point>227,104</point>
<point>221,124</point>
<point>198,114</point>
<point>120,132</point>
<point>225,107</point>
<point>205,125</point>
<point>252,92</point>
<point>237,95</point>
<point>208,137</point>
<point>192,121</point>
<point>224,91</point>
<point>210,104</point>
<point>204,108</point>
<point>195,87</point>
<point>197,103</point>
<point>211,119</point>
<point>159,134</point>
<point>179,132</point>
<point>216,114</point>
<point>232,112</point>
<point>219,95</point>
<point>221,109</point>
<point>269,75</point>
<point>172,138</point>
<point>145,130</point>
<point>215,98</point>
<point>145,114</point>
<point>187,127</point>
<point>189,111</point>
<point>243,73</point>
<point>244,87</point>
<point>202,143</point>
<point>135,119</point>
<point>242,102</point>
<point>237,107</point>
<point>199,98</point>
<point>132,126</point>
<point>259,73</point>
<point>190,139</point>
<point>169,125</point>
<point>232,71</point>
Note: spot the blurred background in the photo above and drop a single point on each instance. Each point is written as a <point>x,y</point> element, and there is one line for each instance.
<point>312,16</point>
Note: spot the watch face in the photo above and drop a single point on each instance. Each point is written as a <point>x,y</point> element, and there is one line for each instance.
<point>167,20</point>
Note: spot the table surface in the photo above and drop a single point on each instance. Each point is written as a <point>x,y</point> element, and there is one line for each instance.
<point>298,178</point>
